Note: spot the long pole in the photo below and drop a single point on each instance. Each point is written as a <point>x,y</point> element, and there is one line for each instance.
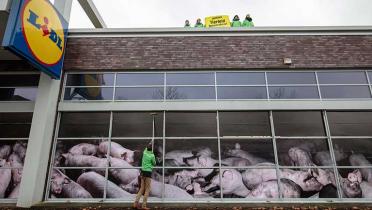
<point>153,130</point>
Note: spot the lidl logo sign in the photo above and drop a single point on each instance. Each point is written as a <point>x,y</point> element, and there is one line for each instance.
<point>37,32</point>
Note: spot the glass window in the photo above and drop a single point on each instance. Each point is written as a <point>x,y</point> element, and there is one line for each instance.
<point>136,124</point>
<point>240,78</point>
<point>303,152</point>
<point>133,79</point>
<point>87,124</point>
<point>276,78</point>
<point>342,78</point>
<point>242,92</point>
<point>19,80</point>
<point>90,80</point>
<point>186,152</point>
<point>244,124</point>
<point>139,93</point>
<point>183,124</point>
<point>370,77</point>
<point>297,92</point>
<point>350,123</point>
<point>298,123</point>
<point>190,78</point>
<point>353,152</point>
<point>133,151</point>
<point>18,94</point>
<point>175,92</point>
<point>91,93</point>
<point>307,183</point>
<point>15,125</point>
<point>354,91</point>
<point>247,152</point>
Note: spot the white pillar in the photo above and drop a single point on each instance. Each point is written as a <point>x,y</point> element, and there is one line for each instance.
<point>41,135</point>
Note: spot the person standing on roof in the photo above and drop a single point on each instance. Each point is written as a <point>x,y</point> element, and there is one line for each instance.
<point>198,23</point>
<point>236,22</point>
<point>248,21</point>
<point>148,163</point>
<point>187,24</point>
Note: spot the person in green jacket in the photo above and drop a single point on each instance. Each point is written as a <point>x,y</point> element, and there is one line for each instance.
<point>235,22</point>
<point>148,163</point>
<point>187,24</point>
<point>248,21</point>
<point>198,23</point>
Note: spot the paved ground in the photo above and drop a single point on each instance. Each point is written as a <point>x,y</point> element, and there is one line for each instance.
<point>294,207</point>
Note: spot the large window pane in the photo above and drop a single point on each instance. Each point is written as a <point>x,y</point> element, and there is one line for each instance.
<point>353,152</point>
<point>342,78</point>
<point>132,150</point>
<point>92,93</point>
<point>18,94</point>
<point>191,152</point>
<point>309,185</point>
<point>190,93</point>
<point>354,91</point>
<point>298,92</point>
<point>183,124</point>
<point>244,124</point>
<point>350,123</point>
<point>139,79</point>
<point>19,80</point>
<point>247,152</point>
<point>139,93</point>
<point>15,125</point>
<point>370,77</point>
<point>240,78</point>
<point>76,124</point>
<point>136,124</point>
<point>242,93</point>
<point>274,78</point>
<point>303,152</point>
<point>190,78</point>
<point>306,123</point>
<point>90,80</point>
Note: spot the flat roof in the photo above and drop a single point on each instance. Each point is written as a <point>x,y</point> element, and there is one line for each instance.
<point>254,31</point>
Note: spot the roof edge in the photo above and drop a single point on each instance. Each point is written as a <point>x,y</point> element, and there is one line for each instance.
<point>255,31</point>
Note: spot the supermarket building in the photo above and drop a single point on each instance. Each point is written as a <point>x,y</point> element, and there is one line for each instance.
<point>266,89</point>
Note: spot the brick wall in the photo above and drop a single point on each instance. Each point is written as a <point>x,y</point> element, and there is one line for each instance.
<point>245,52</point>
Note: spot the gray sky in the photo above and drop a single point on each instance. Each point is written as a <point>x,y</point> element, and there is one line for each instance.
<point>172,13</point>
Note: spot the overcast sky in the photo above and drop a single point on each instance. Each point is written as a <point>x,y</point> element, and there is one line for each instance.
<point>172,13</point>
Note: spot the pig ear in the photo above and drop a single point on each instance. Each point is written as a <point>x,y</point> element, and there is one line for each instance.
<point>64,155</point>
<point>227,174</point>
<point>124,155</point>
<point>66,181</point>
<point>237,146</point>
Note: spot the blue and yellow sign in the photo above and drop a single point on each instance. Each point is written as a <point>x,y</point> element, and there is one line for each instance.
<point>37,32</point>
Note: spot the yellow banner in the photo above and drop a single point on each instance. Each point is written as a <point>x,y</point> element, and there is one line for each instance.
<point>217,21</point>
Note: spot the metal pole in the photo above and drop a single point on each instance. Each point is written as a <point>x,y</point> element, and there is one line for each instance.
<point>153,114</point>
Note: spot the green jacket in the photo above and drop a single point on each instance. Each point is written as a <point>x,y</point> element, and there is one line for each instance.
<point>236,23</point>
<point>148,161</point>
<point>247,23</point>
<point>199,25</point>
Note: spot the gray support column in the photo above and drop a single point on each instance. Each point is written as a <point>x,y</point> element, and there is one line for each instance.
<point>93,13</point>
<point>39,143</point>
<point>41,134</point>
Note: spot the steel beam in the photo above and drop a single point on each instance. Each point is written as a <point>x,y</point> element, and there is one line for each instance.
<point>93,13</point>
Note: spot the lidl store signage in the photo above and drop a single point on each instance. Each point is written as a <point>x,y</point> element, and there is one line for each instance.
<point>37,32</point>
<point>217,21</point>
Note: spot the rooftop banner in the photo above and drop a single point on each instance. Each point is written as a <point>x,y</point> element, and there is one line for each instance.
<point>217,21</point>
<point>37,32</point>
